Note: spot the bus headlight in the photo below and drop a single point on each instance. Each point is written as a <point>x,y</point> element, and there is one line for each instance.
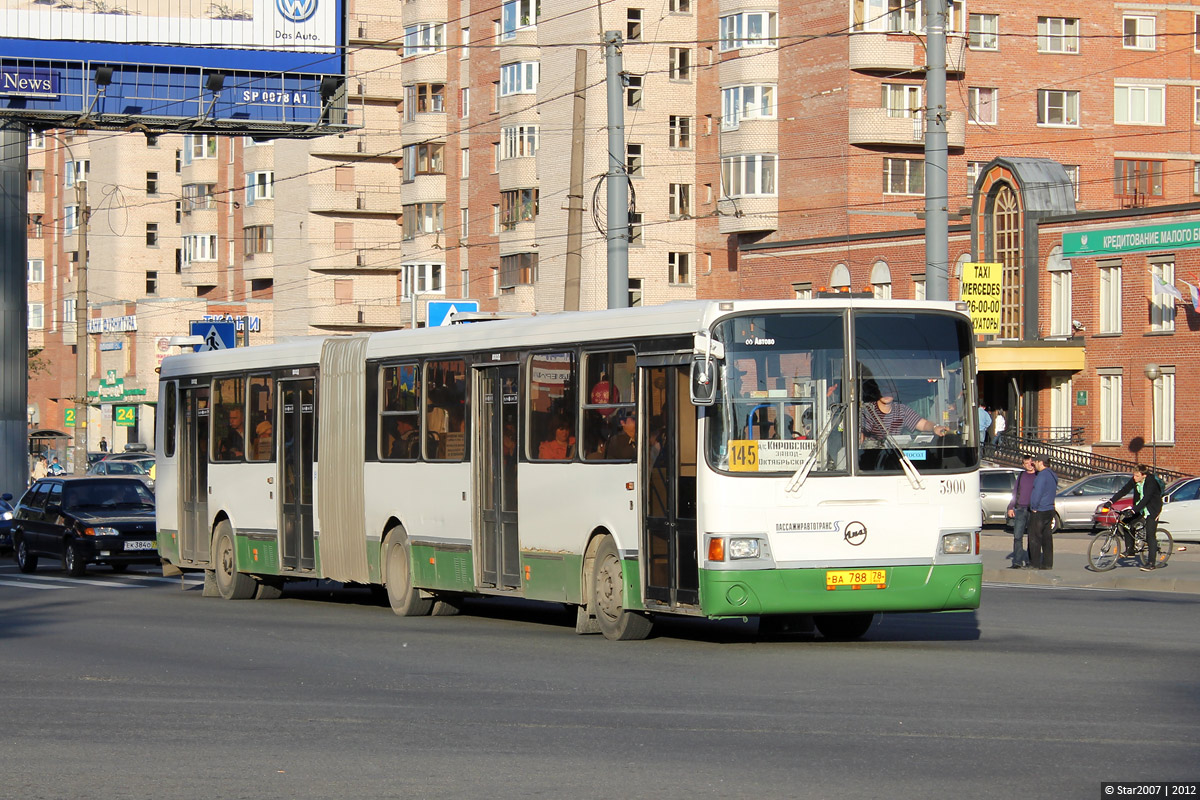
<point>956,544</point>
<point>743,548</point>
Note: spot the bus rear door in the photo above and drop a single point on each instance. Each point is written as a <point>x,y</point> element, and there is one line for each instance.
<point>497,403</point>
<point>297,448</point>
<point>193,475</point>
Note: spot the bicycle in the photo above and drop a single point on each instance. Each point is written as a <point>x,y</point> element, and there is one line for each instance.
<point>1105,549</point>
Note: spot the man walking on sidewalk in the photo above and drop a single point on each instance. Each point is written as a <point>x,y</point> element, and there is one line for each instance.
<point>1018,510</point>
<point>1041,515</point>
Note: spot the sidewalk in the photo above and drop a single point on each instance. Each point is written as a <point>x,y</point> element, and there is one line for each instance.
<point>1182,573</point>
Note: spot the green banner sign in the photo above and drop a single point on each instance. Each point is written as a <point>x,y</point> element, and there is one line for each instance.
<point>1131,240</point>
<point>125,416</point>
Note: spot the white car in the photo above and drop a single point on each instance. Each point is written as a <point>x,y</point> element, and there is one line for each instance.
<point>1182,519</point>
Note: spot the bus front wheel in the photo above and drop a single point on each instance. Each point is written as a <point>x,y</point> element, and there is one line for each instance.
<point>608,595</point>
<point>231,584</point>
<point>404,599</point>
<point>843,627</point>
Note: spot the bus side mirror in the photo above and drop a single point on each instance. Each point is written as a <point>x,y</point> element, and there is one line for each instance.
<point>704,382</point>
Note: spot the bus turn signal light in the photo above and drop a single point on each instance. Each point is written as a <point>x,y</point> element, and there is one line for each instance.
<point>716,549</point>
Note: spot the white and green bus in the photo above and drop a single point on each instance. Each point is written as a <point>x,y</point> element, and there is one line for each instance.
<point>711,458</point>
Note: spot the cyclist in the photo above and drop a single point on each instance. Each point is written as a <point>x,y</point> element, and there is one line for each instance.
<point>1147,503</point>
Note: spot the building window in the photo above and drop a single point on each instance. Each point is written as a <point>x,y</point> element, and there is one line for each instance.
<point>1162,399</point>
<point>517,15</point>
<point>635,292</point>
<point>635,227</point>
<point>197,196</point>
<point>680,64</point>
<point>422,218</point>
<point>1058,35</point>
<point>429,279</point>
<point>679,268</point>
<point>1138,105</point>
<point>199,247</point>
<point>1006,248</point>
<point>424,37</point>
<point>1058,107</point>
<point>518,141</point>
<point>37,140</point>
<point>903,176</point>
<point>516,206</point>
<point>973,169</point>
<point>802,290</point>
<point>36,180</point>
<point>918,286</point>
<point>464,165</point>
<point>519,269</point>
<point>748,176</point>
<point>464,102</point>
<point>463,228</point>
<point>1138,33</point>
<point>881,281</point>
<point>633,160</point>
<point>633,91</point>
<point>1061,398</point>
<point>680,132</point>
<point>198,146</point>
<point>983,31</point>
<point>1110,296</point>
<point>258,239</point>
<point>151,183</point>
<point>423,159</point>
<point>519,78</point>
<point>982,105</point>
<point>1060,292</point>
<point>37,316</point>
<point>1136,179</point>
<point>259,186</point>
<point>70,220</point>
<point>633,25</point>
<point>1073,175</point>
<point>679,6</point>
<point>679,200</point>
<point>35,270</point>
<point>892,16</point>
<point>748,29</point>
<point>151,284</point>
<point>69,310</point>
<point>901,100</point>
<point>1110,408</point>
<point>1162,305</point>
<point>77,170</point>
<point>151,234</point>
<point>35,228</point>
<point>740,103</point>
<point>424,98</point>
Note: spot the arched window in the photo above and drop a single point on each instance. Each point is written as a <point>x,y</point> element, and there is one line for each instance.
<point>1006,249</point>
<point>840,278</point>
<point>881,281</point>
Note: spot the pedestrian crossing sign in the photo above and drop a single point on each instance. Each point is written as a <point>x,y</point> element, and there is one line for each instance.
<point>216,335</point>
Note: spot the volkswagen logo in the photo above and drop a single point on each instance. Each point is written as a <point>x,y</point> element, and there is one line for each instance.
<point>855,534</point>
<point>296,10</point>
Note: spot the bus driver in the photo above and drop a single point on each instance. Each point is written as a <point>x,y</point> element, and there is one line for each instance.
<point>883,412</point>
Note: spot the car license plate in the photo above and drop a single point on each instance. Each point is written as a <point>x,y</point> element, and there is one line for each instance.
<point>856,578</point>
<point>139,545</point>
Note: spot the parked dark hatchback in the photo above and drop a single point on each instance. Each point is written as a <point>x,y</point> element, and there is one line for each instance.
<point>86,520</point>
<point>6,522</point>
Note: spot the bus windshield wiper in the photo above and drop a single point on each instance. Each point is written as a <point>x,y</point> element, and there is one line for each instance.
<point>910,469</point>
<point>801,475</point>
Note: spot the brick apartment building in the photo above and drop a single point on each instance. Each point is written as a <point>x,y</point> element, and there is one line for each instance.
<point>774,148</point>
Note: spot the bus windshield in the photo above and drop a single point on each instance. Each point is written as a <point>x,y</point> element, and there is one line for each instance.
<point>783,403</point>
<point>914,400</point>
<point>781,394</point>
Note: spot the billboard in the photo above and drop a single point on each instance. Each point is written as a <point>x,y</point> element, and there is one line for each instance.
<point>274,67</point>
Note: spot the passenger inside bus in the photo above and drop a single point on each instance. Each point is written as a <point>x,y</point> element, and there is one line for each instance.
<point>562,445</point>
<point>402,438</point>
<point>233,443</point>
<point>623,444</point>
<point>884,415</point>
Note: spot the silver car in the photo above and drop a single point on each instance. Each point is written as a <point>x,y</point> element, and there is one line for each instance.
<point>1075,506</point>
<point>995,490</point>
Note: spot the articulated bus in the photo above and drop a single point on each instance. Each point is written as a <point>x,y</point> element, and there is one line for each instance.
<point>712,458</point>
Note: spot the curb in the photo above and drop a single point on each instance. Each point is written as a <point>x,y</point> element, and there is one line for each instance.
<point>1115,579</point>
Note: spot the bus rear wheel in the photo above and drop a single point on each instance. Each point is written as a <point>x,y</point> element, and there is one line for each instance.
<point>843,627</point>
<point>404,599</point>
<point>608,597</point>
<point>231,584</point>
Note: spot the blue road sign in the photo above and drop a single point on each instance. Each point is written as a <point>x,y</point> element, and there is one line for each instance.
<point>216,335</point>
<point>437,312</point>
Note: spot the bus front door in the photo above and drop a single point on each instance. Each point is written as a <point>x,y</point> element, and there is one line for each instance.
<point>297,447</point>
<point>496,475</point>
<point>668,473</point>
<point>193,476</point>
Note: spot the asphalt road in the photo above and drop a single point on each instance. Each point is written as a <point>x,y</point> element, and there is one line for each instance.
<point>128,686</point>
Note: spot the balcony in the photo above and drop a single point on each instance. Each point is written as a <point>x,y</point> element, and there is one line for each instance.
<point>362,199</point>
<point>870,51</point>
<point>748,214</point>
<point>201,273</point>
<point>874,126</point>
<point>359,143</point>
<point>258,266</point>
<point>360,316</point>
<point>375,29</point>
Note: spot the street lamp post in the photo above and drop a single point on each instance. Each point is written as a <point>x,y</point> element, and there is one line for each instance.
<point>1152,373</point>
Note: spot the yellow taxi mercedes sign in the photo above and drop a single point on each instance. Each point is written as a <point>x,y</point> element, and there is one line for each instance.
<point>980,290</point>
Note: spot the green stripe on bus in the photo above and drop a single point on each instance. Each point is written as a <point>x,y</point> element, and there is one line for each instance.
<point>168,545</point>
<point>258,556</point>
<point>728,593</point>
<point>448,570</point>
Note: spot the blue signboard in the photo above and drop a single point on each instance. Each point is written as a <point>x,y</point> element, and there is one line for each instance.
<point>278,69</point>
<point>437,312</point>
<point>216,335</point>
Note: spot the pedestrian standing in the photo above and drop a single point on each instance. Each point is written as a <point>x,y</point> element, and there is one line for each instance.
<point>103,445</point>
<point>985,422</point>
<point>999,425</point>
<point>1018,510</point>
<point>1041,515</point>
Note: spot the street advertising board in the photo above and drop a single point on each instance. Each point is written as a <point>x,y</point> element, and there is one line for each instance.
<point>980,290</point>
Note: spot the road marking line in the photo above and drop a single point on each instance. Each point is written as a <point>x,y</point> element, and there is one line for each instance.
<point>84,581</point>
<point>1053,587</point>
<point>25,585</point>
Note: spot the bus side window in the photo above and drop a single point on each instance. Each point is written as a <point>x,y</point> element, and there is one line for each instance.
<point>445,410</point>
<point>551,409</point>
<point>229,419</point>
<point>171,423</point>
<point>261,429</point>
<point>609,421</point>
<point>399,413</point>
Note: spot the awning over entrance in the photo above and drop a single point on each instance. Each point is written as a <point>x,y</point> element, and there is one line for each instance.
<point>1015,358</point>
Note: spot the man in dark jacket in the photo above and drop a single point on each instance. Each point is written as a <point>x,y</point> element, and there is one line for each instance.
<point>1018,509</point>
<point>1147,503</point>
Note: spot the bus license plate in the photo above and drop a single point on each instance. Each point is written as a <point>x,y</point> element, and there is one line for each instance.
<point>139,545</point>
<point>856,578</point>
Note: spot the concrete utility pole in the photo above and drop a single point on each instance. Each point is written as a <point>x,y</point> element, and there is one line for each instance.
<point>574,263</point>
<point>618,180</point>
<point>81,319</point>
<point>937,193</point>
<point>14,310</point>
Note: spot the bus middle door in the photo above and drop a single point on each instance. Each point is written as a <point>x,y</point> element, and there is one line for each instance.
<point>194,544</point>
<point>297,448</point>
<point>496,412</point>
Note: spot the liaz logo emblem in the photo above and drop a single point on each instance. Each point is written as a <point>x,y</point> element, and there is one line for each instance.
<point>296,10</point>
